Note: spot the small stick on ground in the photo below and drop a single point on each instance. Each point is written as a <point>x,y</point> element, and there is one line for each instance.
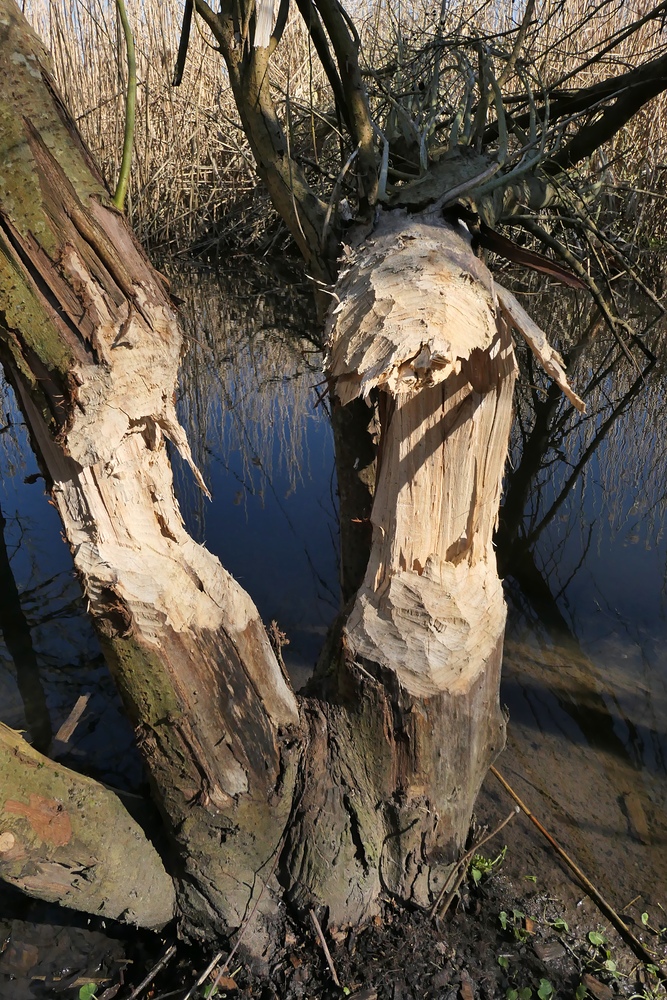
<point>461,865</point>
<point>168,955</point>
<point>325,949</point>
<point>596,896</point>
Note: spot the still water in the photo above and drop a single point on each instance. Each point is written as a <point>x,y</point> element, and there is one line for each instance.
<point>581,545</point>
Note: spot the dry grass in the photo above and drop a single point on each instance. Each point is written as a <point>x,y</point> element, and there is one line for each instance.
<point>192,165</point>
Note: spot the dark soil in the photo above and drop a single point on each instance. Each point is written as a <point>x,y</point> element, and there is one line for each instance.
<point>525,931</point>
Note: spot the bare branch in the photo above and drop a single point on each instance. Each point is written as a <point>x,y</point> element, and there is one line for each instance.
<point>301,208</point>
<point>356,101</point>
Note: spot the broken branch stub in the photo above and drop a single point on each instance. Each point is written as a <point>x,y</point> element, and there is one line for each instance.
<point>536,339</point>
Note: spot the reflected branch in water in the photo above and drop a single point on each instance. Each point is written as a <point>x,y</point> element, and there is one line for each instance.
<point>248,399</point>
<point>599,437</point>
<point>18,641</point>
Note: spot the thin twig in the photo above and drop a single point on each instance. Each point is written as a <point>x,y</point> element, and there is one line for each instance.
<point>463,862</point>
<point>334,194</point>
<point>640,950</point>
<point>325,947</point>
<point>168,955</point>
<point>205,974</point>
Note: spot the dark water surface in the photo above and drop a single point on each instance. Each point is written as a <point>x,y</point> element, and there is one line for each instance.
<point>582,547</point>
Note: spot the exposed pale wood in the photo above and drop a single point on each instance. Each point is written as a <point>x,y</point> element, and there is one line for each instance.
<point>412,718</point>
<point>67,839</point>
<point>417,318</point>
<point>264,15</point>
<point>536,339</point>
<point>413,302</point>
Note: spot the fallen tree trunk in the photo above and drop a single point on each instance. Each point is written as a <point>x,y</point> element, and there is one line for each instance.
<point>67,839</point>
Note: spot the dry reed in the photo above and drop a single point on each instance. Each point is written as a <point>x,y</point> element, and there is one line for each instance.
<point>192,164</point>
<point>193,168</point>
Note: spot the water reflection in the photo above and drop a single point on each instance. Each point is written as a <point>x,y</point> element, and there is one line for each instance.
<point>263,441</point>
<point>582,548</point>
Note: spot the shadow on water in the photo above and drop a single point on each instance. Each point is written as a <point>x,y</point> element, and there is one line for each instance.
<point>581,546</point>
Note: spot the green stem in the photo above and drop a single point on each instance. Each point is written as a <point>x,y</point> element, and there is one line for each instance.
<point>130,105</point>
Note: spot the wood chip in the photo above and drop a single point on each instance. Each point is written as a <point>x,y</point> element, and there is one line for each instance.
<point>466,992</point>
<point>66,731</point>
<point>599,990</point>
<point>636,817</point>
<point>226,983</point>
<point>549,951</point>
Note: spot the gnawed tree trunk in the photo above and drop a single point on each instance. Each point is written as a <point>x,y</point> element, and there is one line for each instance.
<point>413,719</point>
<point>91,342</point>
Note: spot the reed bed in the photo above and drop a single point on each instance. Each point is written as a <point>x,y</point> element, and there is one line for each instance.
<point>192,165</point>
<point>193,170</point>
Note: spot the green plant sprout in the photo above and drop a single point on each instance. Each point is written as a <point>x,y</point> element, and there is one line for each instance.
<point>514,924</point>
<point>646,921</point>
<point>545,991</point>
<point>525,993</point>
<point>481,866</point>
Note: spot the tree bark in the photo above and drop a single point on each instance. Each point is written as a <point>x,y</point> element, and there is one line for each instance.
<point>67,839</point>
<point>91,342</point>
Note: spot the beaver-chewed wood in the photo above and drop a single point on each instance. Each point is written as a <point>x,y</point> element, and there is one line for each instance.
<point>412,718</point>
